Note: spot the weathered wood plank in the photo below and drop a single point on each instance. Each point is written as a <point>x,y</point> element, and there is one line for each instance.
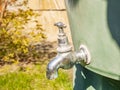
<point>51,11</point>
<point>47,4</point>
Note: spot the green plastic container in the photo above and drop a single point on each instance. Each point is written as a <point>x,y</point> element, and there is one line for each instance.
<point>96,24</point>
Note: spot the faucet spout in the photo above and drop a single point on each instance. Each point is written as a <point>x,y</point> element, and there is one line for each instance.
<point>52,67</point>
<point>63,60</point>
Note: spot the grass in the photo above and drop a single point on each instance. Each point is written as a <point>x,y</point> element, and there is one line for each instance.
<point>33,78</point>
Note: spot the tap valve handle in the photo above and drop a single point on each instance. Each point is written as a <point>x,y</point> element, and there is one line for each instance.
<point>63,43</point>
<point>60,26</point>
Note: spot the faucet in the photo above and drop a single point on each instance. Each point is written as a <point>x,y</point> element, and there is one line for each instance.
<point>66,58</point>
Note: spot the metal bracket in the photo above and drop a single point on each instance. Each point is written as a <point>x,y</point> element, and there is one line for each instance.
<point>83,54</point>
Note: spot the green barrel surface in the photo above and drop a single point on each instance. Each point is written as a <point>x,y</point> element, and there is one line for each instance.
<point>96,24</point>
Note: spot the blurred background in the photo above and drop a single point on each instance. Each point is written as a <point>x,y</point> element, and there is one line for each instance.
<point>28,41</point>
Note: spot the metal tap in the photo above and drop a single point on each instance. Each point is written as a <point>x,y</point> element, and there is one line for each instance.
<point>65,57</point>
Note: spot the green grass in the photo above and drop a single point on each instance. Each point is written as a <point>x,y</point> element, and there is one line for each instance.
<point>34,78</point>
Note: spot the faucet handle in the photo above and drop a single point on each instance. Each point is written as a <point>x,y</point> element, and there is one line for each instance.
<point>60,25</point>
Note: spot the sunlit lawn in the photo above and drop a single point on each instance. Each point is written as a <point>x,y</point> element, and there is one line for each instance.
<point>33,78</point>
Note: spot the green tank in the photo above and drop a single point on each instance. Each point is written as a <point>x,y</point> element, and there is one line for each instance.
<point>96,24</point>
